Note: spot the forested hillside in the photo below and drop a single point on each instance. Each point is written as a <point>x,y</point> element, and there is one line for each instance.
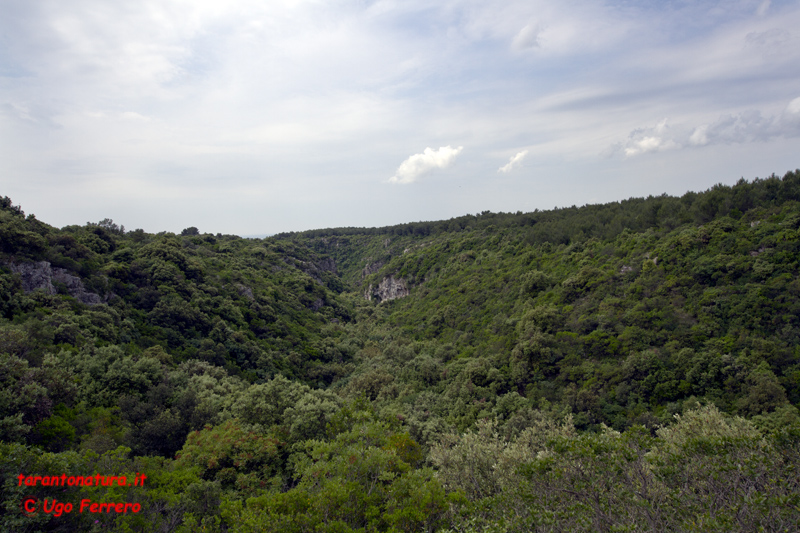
<point>633,365</point>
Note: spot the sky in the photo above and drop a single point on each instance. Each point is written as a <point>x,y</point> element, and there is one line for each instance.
<point>253,117</point>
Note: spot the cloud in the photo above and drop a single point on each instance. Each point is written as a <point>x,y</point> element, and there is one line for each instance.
<point>418,164</point>
<point>745,127</point>
<point>297,95</point>
<point>794,107</point>
<point>763,7</point>
<point>645,140</point>
<point>132,115</point>
<point>749,126</point>
<point>648,144</point>
<point>513,162</point>
<point>699,136</point>
<point>31,114</point>
<point>528,37</point>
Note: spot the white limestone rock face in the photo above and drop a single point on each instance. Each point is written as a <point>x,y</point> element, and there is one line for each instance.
<point>40,275</point>
<point>388,289</point>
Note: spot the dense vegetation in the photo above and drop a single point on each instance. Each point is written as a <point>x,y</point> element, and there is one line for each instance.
<point>627,366</point>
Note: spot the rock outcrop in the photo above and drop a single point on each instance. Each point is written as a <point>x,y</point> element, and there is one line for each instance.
<point>314,268</point>
<point>245,291</point>
<point>388,289</point>
<point>326,264</point>
<point>41,275</point>
<point>371,268</point>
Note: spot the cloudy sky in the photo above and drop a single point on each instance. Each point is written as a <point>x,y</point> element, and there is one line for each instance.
<point>254,117</point>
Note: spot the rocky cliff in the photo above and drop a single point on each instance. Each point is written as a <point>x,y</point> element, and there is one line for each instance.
<point>371,268</point>
<point>314,268</point>
<point>41,275</point>
<point>388,289</point>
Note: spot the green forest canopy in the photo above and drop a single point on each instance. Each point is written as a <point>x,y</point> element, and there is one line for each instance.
<point>627,365</point>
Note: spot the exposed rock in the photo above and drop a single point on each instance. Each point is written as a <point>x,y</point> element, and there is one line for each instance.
<point>371,268</point>
<point>331,242</point>
<point>314,268</point>
<point>245,291</point>
<point>41,276</point>
<point>388,289</point>
<point>326,264</point>
<point>75,287</point>
<point>34,276</point>
<point>421,245</point>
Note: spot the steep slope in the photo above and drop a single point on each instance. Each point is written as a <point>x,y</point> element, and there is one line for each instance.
<point>623,330</point>
<point>249,305</point>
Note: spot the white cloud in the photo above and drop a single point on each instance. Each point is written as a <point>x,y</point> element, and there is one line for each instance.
<point>763,7</point>
<point>528,37</point>
<point>513,162</point>
<point>418,164</point>
<point>647,144</point>
<point>744,127</point>
<point>699,136</point>
<point>651,139</point>
<point>751,126</point>
<point>794,106</point>
<point>132,115</point>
